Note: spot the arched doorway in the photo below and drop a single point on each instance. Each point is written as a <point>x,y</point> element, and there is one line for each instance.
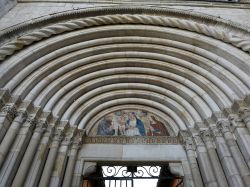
<point>62,75</point>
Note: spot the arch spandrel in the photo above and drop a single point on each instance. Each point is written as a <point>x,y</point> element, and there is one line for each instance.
<point>186,69</point>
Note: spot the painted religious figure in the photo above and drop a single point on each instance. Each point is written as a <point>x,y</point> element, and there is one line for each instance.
<point>131,123</point>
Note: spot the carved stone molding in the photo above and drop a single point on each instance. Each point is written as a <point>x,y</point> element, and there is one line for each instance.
<point>132,140</point>
<point>128,18</point>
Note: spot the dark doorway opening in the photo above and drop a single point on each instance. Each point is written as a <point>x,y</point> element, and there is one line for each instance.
<point>133,176</point>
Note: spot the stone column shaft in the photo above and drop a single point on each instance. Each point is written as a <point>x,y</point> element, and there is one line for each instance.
<point>14,157</point>
<point>7,114</point>
<point>188,176</point>
<point>243,138</point>
<point>236,154</point>
<point>60,164</point>
<point>70,167</point>
<point>219,174</point>
<point>39,160</point>
<point>11,135</point>
<point>28,156</point>
<point>77,174</point>
<point>228,164</point>
<point>46,174</point>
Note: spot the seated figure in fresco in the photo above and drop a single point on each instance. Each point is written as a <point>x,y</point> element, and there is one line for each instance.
<point>105,126</point>
<point>157,128</point>
<point>134,126</point>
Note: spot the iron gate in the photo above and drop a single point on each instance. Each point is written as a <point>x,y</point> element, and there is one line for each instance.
<point>128,176</point>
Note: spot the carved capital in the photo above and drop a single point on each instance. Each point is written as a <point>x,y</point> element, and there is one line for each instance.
<point>207,135</point>
<point>189,144</point>
<point>224,126</point>
<point>21,116</point>
<point>216,132</point>
<point>58,135</point>
<point>244,114</point>
<point>235,122</point>
<point>9,111</point>
<point>198,140</point>
<point>40,126</point>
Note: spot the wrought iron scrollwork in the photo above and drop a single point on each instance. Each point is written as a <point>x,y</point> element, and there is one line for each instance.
<point>123,171</point>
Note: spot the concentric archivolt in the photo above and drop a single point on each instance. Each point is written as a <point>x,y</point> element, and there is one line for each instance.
<point>81,68</point>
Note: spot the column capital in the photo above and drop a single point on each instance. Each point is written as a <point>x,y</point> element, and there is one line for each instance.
<point>223,125</point>
<point>198,140</point>
<point>207,135</point>
<point>40,126</point>
<point>21,116</point>
<point>10,111</point>
<point>189,144</point>
<point>235,122</point>
<point>244,113</point>
<point>216,132</point>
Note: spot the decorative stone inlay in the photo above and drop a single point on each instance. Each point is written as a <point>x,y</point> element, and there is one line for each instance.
<point>132,140</point>
<point>10,111</point>
<point>58,28</point>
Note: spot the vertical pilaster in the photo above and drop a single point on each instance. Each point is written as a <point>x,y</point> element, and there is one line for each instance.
<point>228,164</point>
<point>207,171</point>
<point>218,171</point>
<point>11,135</point>
<point>234,149</point>
<point>29,154</point>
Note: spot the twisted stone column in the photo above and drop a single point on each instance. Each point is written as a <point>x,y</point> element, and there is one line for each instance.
<point>11,135</point>
<point>219,174</point>
<point>72,160</point>
<point>190,149</point>
<point>242,135</point>
<point>45,178</point>
<point>207,171</point>
<point>29,154</point>
<point>39,159</point>
<point>235,151</point>
<point>228,164</point>
<point>15,155</point>
<point>7,114</point>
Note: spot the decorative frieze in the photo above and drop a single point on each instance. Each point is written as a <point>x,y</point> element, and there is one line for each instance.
<point>132,140</point>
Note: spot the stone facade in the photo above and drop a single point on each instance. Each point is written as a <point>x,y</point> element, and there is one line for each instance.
<point>63,72</point>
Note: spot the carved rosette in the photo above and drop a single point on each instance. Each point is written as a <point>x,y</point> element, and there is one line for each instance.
<point>9,111</point>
